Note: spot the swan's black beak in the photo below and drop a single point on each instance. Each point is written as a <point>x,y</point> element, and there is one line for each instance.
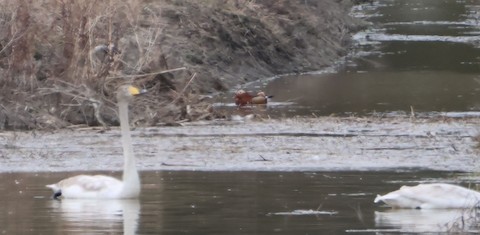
<point>57,195</point>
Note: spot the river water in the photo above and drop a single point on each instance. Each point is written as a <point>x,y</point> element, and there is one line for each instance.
<point>229,203</point>
<point>418,55</point>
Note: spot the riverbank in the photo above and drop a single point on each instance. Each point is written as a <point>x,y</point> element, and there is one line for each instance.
<point>62,61</point>
<point>297,144</point>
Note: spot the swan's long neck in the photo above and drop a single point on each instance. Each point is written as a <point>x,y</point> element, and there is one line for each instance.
<point>131,180</point>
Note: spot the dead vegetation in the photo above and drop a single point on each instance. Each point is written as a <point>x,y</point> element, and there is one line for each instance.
<point>61,61</point>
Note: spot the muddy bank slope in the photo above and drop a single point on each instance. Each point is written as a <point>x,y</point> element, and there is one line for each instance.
<point>57,69</point>
<point>320,144</point>
<point>238,41</point>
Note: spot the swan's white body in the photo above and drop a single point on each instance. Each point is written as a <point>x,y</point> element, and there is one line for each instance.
<point>101,186</point>
<point>431,196</point>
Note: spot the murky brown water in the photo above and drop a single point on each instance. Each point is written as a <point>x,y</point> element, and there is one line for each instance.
<point>224,203</point>
<point>419,54</point>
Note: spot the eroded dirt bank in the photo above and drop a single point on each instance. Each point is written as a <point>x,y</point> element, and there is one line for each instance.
<point>270,145</point>
<point>61,61</point>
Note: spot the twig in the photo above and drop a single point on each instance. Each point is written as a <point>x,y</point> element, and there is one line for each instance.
<point>168,164</point>
<point>263,159</point>
<point>188,83</point>
<point>148,74</point>
<point>405,148</point>
<point>320,206</point>
<point>12,41</point>
<point>184,89</point>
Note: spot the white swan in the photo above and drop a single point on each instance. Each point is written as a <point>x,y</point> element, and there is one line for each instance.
<point>101,186</point>
<point>431,196</point>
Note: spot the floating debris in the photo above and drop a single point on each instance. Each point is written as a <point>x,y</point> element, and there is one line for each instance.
<point>305,212</point>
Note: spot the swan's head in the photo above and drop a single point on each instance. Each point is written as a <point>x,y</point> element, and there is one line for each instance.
<point>127,92</point>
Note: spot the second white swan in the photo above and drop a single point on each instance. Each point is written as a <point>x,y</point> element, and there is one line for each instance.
<point>431,196</point>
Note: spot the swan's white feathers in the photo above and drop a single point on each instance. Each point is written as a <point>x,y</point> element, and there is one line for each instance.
<point>88,186</point>
<point>106,187</point>
<point>430,196</point>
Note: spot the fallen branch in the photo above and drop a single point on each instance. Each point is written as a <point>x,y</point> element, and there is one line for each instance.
<point>167,164</point>
<point>296,134</point>
<point>148,74</point>
<point>406,148</point>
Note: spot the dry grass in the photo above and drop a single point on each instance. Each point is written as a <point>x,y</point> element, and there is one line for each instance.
<point>58,68</point>
<point>61,61</point>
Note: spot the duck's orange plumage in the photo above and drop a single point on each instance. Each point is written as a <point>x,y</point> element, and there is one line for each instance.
<point>243,98</point>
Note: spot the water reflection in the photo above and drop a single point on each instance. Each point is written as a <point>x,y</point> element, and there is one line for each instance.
<point>97,216</point>
<point>428,221</point>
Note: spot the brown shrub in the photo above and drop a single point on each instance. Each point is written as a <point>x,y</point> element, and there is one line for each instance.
<point>61,62</point>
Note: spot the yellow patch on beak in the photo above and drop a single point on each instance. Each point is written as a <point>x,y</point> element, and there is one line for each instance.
<point>133,90</point>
